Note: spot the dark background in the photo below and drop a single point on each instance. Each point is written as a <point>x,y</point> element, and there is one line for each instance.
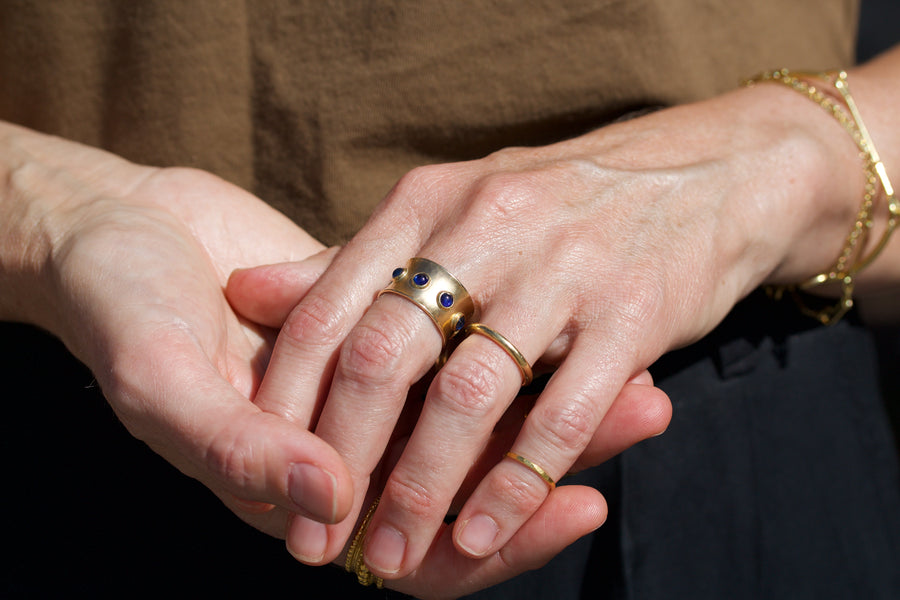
<point>88,508</point>
<point>879,27</point>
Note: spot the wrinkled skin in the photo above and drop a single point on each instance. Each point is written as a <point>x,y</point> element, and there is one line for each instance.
<point>128,266</point>
<point>594,256</point>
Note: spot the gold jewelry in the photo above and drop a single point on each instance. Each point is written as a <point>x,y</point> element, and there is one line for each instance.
<point>851,260</point>
<point>533,467</point>
<point>433,289</point>
<point>354,562</point>
<point>507,347</point>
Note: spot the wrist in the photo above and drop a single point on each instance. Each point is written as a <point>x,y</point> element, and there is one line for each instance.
<point>878,208</point>
<point>24,242</point>
<point>46,183</point>
<point>827,181</point>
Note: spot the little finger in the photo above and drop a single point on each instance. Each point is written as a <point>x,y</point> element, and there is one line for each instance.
<point>568,514</point>
<point>556,432</point>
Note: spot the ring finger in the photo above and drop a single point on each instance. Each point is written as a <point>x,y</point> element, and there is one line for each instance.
<point>465,400</point>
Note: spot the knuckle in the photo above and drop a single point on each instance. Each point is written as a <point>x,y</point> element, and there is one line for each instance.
<point>508,156</point>
<point>231,459</point>
<point>521,492</point>
<point>517,194</point>
<point>570,425</point>
<point>411,210</point>
<point>641,314</point>
<point>650,296</point>
<point>501,197</point>
<point>420,177</point>
<point>418,182</point>
<point>316,321</point>
<point>411,499</point>
<point>636,306</point>
<point>570,247</point>
<point>468,387</point>
<point>369,355</point>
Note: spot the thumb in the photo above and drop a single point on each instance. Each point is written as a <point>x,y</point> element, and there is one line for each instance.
<point>266,294</point>
<point>200,423</point>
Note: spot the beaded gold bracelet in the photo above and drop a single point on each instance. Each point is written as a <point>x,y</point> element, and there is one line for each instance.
<point>354,562</point>
<point>851,259</point>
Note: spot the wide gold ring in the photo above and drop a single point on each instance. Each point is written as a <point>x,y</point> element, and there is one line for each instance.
<point>432,288</point>
<point>354,562</point>
<point>539,471</point>
<point>506,345</point>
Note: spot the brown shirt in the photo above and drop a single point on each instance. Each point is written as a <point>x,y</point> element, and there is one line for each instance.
<point>318,107</point>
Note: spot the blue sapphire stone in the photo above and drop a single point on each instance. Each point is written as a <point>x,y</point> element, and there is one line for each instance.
<point>460,322</point>
<point>421,279</point>
<point>446,299</point>
<point>398,272</point>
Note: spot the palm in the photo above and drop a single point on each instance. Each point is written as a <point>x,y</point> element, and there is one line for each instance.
<point>142,277</point>
<point>133,284</point>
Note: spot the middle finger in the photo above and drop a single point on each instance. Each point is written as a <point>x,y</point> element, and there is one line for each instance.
<point>464,402</point>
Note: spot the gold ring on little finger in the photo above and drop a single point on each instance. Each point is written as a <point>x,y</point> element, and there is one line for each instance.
<point>534,468</point>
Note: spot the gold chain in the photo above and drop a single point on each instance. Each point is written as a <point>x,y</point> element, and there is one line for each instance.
<point>354,562</point>
<point>851,259</point>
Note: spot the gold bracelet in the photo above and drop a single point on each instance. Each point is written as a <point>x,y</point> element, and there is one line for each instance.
<point>851,259</point>
<point>354,562</point>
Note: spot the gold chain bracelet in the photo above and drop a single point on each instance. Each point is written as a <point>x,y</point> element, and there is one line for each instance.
<point>354,562</point>
<point>851,259</point>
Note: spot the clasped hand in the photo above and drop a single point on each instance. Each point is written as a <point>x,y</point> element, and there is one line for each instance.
<point>128,265</point>
<point>593,257</point>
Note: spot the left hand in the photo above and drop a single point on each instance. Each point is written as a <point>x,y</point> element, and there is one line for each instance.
<point>597,254</point>
<point>265,295</point>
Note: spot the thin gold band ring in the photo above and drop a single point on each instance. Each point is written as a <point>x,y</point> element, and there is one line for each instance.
<point>506,345</point>
<point>539,471</point>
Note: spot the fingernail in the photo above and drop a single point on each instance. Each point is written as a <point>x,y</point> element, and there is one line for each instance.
<point>478,535</point>
<point>313,490</point>
<point>385,548</point>
<point>252,506</point>
<point>308,540</point>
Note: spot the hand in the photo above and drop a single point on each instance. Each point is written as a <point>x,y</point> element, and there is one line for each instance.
<point>127,265</point>
<point>129,270</point>
<point>265,295</point>
<point>597,254</point>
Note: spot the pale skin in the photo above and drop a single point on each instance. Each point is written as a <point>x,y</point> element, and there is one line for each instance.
<point>128,265</point>
<point>649,230</point>
<point>666,221</point>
